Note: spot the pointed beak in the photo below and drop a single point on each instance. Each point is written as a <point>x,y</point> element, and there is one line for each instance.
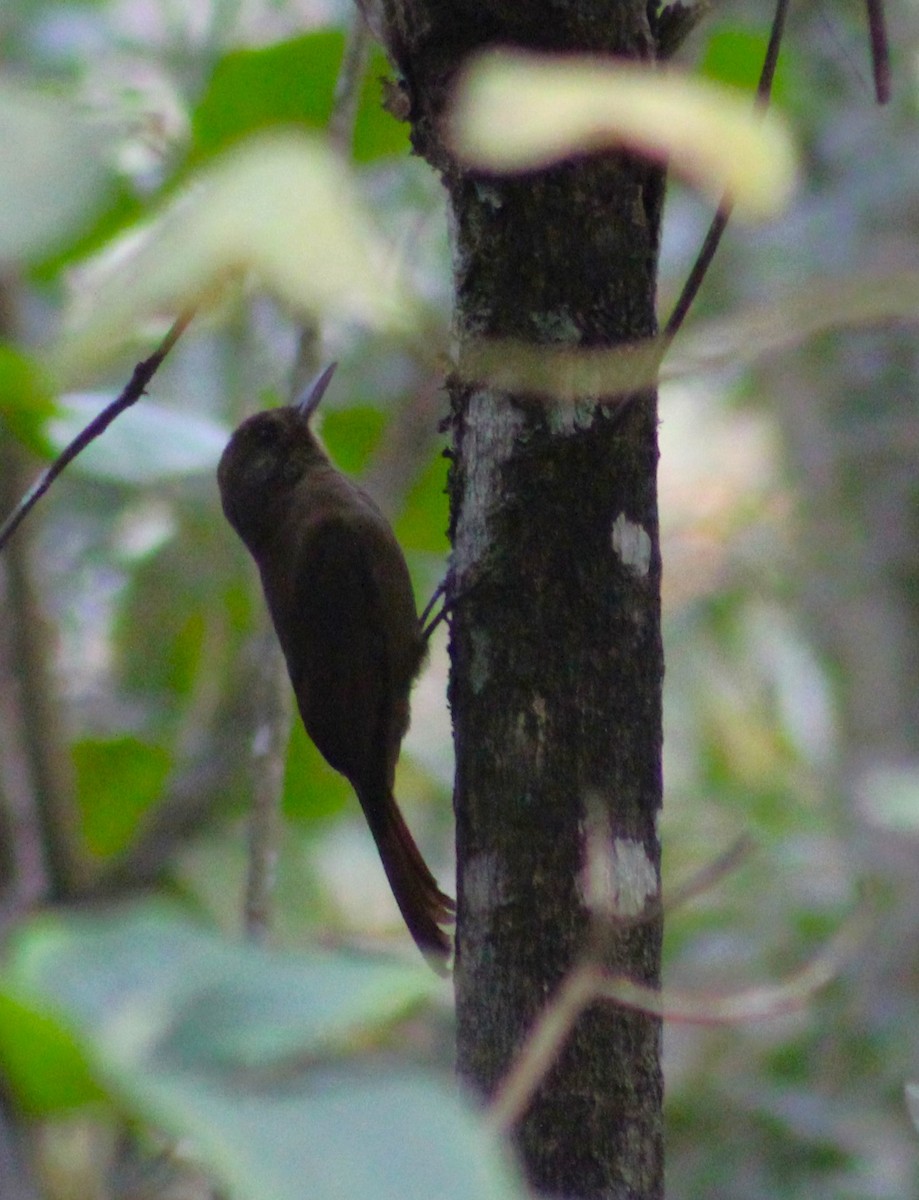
<point>309,401</point>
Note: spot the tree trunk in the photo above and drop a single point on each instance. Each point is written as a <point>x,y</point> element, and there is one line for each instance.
<point>556,647</point>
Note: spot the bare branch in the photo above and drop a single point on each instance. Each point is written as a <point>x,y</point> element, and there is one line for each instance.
<point>589,982</point>
<point>143,373</point>
<point>723,215</point>
<point>880,49</point>
<point>269,750</point>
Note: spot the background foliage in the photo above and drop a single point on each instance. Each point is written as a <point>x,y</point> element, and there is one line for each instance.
<point>131,668</point>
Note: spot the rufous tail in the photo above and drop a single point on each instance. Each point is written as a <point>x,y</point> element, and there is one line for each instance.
<point>423,905</point>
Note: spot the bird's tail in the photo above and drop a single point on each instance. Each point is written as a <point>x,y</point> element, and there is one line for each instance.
<point>423,905</point>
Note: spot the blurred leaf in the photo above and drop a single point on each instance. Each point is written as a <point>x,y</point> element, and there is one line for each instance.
<point>145,982</point>
<point>54,171</point>
<point>175,1017</point>
<point>146,444</point>
<point>172,603</point>
<point>292,82</point>
<point>118,781</point>
<point>313,791</point>
<point>26,399</point>
<point>818,306</point>
<point>282,208</point>
<point>888,796</point>
<point>734,57</point>
<point>254,89</point>
<point>422,525</point>
<point>555,107</point>
<point>377,133</point>
<point>337,1135</point>
<point>42,1063</point>
<point>351,435</point>
<point>122,208</point>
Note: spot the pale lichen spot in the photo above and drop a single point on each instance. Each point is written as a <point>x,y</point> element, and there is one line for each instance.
<point>632,544</point>
<point>618,879</point>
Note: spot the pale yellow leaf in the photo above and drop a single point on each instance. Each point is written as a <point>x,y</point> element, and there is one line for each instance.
<point>517,112</point>
<point>280,211</point>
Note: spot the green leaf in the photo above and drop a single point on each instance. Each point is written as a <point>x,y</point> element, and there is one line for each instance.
<point>186,1028</point>
<point>118,781</point>
<point>734,57</point>
<point>313,791</point>
<point>422,526</point>
<point>337,1135</point>
<point>147,981</point>
<point>292,83</point>
<point>42,1063</point>
<point>54,171</point>
<point>377,133</point>
<point>351,435</point>
<point>26,399</point>
<point>254,89</point>
<point>552,107</point>
<point>146,444</point>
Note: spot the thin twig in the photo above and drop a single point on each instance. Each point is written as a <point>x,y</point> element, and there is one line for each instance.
<point>709,875</point>
<point>143,373</point>
<point>269,754</point>
<point>608,922</point>
<point>543,1045</point>
<point>589,982</point>
<point>49,857</point>
<point>723,215</point>
<point>880,50</point>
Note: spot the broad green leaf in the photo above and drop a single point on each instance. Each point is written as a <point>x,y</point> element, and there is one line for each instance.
<point>553,107</point>
<point>41,1063</point>
<point>118,781</point>
<point>334,1135</point>
<point>313,790</point>
<point>351,435</point>
<point>184,1030</point>
<point>734,57</point>
<point>26,399</point>
<point>422,525</point>
<point>54,171</point>
<point>279,209</point>
<point>377,134</point>
<point>293,83</point>
<point>253,89</point>
<point>145,982</point>
<point>147,443</point>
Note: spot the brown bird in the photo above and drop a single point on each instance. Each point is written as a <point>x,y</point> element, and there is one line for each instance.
<point>341,600</point>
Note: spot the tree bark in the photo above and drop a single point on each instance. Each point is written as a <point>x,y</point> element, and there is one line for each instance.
<point>555,580</point>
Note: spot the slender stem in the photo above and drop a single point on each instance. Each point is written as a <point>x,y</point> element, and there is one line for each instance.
<point>880,49</point>
<point>269,753</point>
<point>723,215</point>
<point>50,857</point>
<point>143,373</point>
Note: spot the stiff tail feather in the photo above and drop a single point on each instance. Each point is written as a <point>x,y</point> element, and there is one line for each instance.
<point>423,905</point>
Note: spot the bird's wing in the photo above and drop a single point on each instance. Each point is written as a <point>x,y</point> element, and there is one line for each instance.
<point>338,652</point>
